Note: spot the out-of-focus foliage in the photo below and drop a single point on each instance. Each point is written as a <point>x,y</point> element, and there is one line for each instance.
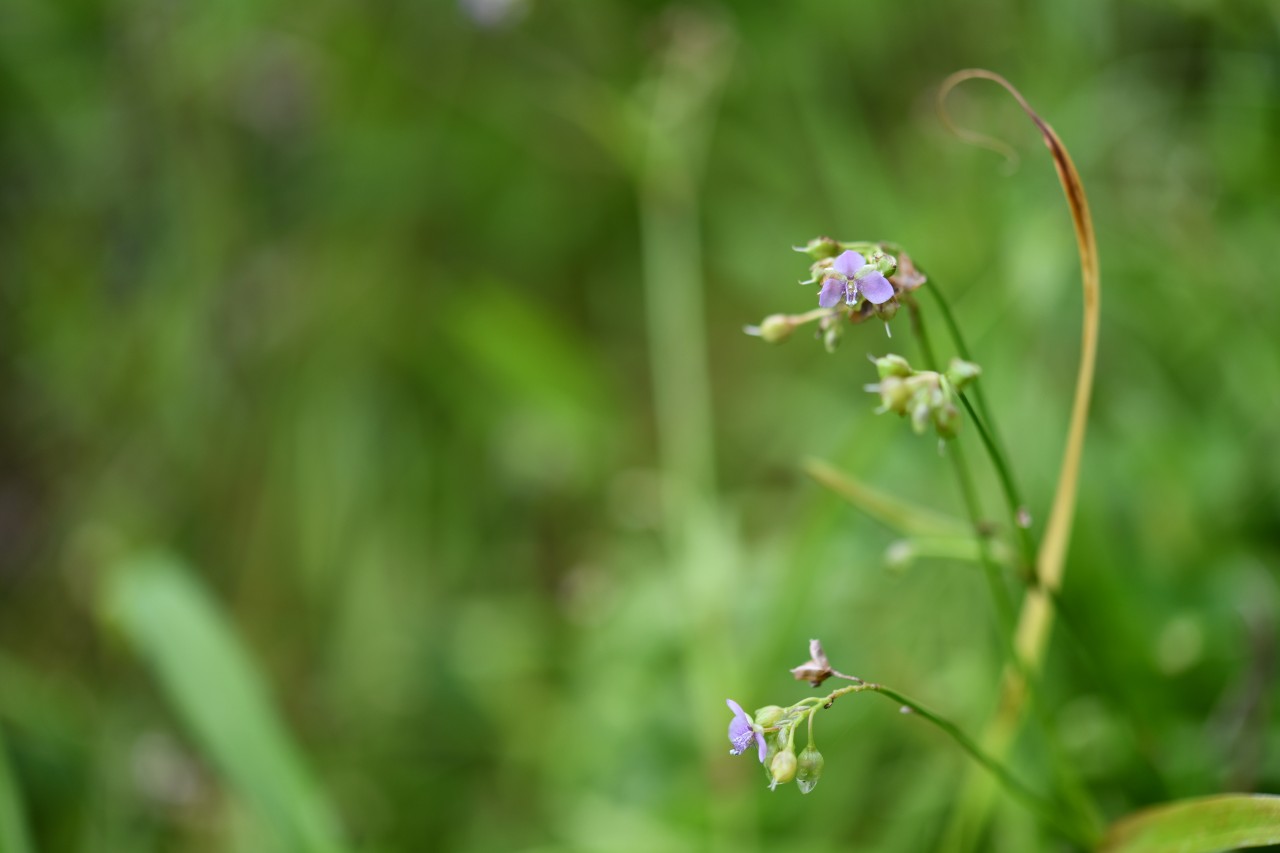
<point>414,329</point>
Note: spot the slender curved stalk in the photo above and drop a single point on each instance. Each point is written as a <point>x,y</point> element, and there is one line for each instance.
<point>1036,617</point>
<point>1043,808</point>
<point>1037,613</point>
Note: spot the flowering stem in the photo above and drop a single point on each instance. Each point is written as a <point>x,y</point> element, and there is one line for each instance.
<point>1036,617</point>
<point>1074,789</point>
<point>1033,801</point>
<point>990,436</point>
<point>985,425</point>
<point>999,593</point>
<point>1039,805</point>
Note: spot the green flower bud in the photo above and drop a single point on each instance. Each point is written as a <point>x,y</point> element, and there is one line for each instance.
<point>921,412</point>
<point>947,420</point>
<point>928,398</point>
<point>769,715</point>
<point>962,373</point>
<point>776,328</point>
<point>886,310</point>
<point>892,365</point>
<point>895,394</point>
<point>783,767</point>
<point>886,264</point>
<point>809,769</point>
<point>819,248</point>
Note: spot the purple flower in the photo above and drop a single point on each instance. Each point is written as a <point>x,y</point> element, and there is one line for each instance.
<point>742,731</point>
<point>843,284</point>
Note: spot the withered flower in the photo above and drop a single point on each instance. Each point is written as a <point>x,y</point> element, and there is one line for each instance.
<point>815,670</point>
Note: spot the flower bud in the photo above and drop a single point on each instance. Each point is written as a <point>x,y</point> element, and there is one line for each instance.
<point>892,365</point>
<point>895,394</point>
<point>961,373</point>
<point>947,420</point>
<point>783,767</point>
<point>921,412</point>
<point>809,769</point>
<point>819,248</point>
<point>776,328</point>
<point>886,310</point>
<point>886,264</point>
<point>768,716</point>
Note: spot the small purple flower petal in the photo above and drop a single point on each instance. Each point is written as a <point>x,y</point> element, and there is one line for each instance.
<point>876,288</point>
<point>833,290</point>
<point>742,731</point>
<point>849,263</point>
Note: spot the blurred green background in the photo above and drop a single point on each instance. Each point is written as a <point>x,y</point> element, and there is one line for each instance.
<point>383,467</point>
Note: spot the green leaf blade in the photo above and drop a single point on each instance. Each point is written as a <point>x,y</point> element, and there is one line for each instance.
<point>1202,825</point>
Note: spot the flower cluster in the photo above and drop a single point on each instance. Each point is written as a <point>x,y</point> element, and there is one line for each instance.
<point>926,396</point>
<point>773,728</point>
<point>856,281</point>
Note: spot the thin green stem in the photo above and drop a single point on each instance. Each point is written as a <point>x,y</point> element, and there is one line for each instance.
<point>1037,804</point>
<point>1036,617</point>
<point>995,580</point>
<point>987,431</point>
<point>1045,809</point>
<point>985,423</point>
<point>999,593</point>
<point>1073,788</point>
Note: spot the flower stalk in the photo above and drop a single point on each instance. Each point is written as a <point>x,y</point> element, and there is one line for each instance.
<point>772,730</point>
<point>860,280</point>
<point>1036,617</point>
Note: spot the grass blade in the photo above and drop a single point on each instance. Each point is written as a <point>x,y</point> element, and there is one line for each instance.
<point>214,686</point>
<point>896,513</point>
